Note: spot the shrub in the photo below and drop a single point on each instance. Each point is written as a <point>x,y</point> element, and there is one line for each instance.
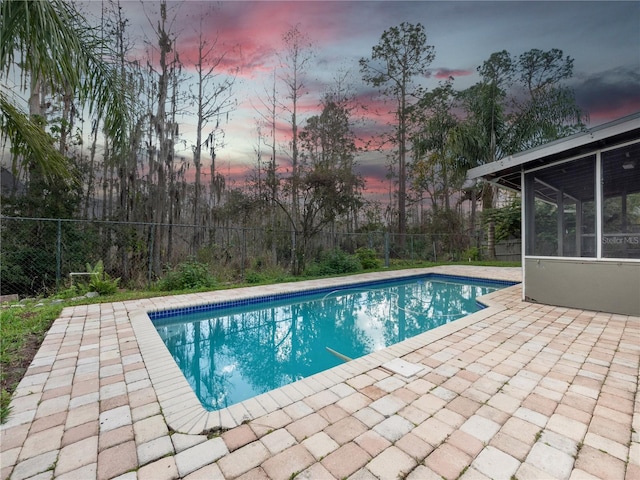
<point>254,277</point>
<point>368,258</point>
<point>471,254</point>
<point>71,292</point>
<point>507,220</point>
<point>100,281</point>
<point>187,276</point>
<point>334,262</point>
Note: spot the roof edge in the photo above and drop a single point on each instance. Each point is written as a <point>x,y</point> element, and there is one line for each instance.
<point>592,135</point>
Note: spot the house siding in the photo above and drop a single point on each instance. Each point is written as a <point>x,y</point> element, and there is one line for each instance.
<point>600,285</point>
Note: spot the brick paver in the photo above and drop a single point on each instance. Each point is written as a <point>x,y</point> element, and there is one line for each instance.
<point>320,445</point>
<point>77,455</point>
<point>554,462</point>
<point>519,390</point>
<point>202,454</point>
<point>278,441</point>
<point>117,460</point>
<point>372,442</point>
<point>288,463</point>
<point>496,464</point>
<point>238,437</point>
<point>346,460</point>
<point>163,469</point>
<point>244,459</point>
<point>447,461</point>
<point>391,464</point>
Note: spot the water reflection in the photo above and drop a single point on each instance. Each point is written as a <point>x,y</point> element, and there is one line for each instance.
<point>234,354</point>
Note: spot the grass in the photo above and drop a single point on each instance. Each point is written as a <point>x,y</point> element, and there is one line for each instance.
<point>23,328</point>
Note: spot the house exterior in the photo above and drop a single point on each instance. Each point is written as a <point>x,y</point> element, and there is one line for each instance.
<point>580,217</point>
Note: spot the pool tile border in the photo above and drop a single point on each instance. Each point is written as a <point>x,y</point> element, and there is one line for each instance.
<point>183,411</point>
<point>157,315</point>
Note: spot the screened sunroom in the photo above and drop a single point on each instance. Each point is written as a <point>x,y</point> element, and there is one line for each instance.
<point>580,217</point>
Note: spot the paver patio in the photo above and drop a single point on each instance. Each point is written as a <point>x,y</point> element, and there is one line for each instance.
<point>518,390</point>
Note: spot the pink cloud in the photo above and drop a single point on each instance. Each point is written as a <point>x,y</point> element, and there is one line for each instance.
<point>445,73</point>
<point>604,114</point>
<point>234,171</point>
<point>251,32</point>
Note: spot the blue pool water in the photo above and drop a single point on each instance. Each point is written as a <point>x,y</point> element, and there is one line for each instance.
<point>236,350</point>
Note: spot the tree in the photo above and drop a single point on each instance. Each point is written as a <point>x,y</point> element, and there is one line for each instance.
<point>434,168</point>
<point>401,54</point>
<point>516,105</point>
<point>52,45</point>
<point>213,100</point>
<point>328,185</point>
<point>296,59</point>
<point>268,186</point>
<point>548,110</point>
<point>484,137</point>
<point>341,92</point>
<point>163,134</point>
<point>125,159</point>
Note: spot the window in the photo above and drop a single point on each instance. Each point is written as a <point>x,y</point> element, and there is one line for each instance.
<point>560,206</point>
<point>560,209</point>
<point>621,202</point>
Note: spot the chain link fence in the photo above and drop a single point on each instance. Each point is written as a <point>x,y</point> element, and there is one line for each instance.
<point>41,256</point>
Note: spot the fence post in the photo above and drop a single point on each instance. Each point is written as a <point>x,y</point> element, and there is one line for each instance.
<point>411,247</point>
<point>386,249</point>
<point>59,254</point>
<point>244,252</point>
<point>152,234</point>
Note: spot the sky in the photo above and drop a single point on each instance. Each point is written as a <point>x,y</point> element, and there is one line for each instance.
<point>603,38</point>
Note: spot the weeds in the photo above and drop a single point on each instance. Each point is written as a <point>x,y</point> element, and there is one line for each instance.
<point>187,275</point>
<point>334,262</point>
<point>22,331</point>
<point>100,281</point>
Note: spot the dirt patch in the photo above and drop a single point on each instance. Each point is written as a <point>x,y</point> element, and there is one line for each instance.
<point>13,373</point>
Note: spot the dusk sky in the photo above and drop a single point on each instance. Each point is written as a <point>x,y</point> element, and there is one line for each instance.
<point>603,38</point>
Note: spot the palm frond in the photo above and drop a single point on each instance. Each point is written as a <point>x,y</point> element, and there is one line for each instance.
<point>49,40</point>
<point>29,139</point>
<point>42,36</point>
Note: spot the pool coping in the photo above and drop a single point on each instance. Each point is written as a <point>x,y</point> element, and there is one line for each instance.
<point>182,409</point>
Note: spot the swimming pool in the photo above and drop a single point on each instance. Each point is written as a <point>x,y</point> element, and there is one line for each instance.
<point>232,351</point>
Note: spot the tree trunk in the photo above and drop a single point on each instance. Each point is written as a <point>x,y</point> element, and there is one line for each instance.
<point>160,197</point>
<point>90,197</point>
<point>487,204</point>
<point>66,122</point>
<point>105,172</point>
<point>402,172</point>
<point>272,178</point>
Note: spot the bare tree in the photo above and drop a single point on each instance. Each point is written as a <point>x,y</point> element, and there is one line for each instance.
<point>296,59</point>
<point>162,132</point>
<point>268,116</point>
<point>213,99</point>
